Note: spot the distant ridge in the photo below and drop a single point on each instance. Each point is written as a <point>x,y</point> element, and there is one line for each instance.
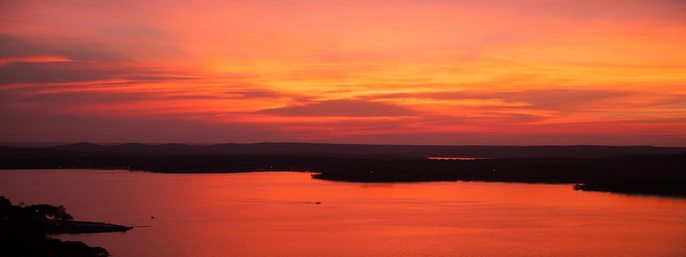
<point>374,151</point>
<point>635,169</point>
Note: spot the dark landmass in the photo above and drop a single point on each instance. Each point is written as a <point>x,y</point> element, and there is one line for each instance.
<point>676,187</point>
<point>80,227</point>
<point>31,144</point>
<point>644,173</point>
<point>23,228</point>
<point>375,151</point>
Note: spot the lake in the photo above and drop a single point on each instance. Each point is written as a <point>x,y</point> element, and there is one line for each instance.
<point>274,214</point>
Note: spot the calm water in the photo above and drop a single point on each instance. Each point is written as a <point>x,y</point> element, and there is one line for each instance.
<point>273,214</point>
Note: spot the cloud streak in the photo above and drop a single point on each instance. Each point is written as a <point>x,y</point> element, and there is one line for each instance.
<point>448,72</point>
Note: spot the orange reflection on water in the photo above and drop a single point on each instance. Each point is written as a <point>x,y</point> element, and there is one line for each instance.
<point>270,213</point>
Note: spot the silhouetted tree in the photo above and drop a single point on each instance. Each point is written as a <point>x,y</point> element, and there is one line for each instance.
<point>22,233</point>
<point>59,212</point>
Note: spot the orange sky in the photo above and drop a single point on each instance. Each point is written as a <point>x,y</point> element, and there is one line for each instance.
<point>393,72</point>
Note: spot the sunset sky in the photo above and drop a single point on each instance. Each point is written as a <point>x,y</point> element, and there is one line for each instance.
<point>490,72</point>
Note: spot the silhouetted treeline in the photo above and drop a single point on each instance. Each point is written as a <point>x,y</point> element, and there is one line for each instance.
<point>674,187</point>
<point>22,233</point>
<point>375,151</point>
<point>640,174</point>
<point>635,172</point>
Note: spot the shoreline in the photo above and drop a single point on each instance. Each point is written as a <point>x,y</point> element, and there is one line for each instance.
<point>663,174</point>
<point>54,227</point>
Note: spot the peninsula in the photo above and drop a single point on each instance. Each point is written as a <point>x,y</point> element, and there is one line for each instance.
<point>24,228</point>
<point>634,169</point>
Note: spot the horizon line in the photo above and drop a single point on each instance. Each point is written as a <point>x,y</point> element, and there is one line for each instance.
<point>50,144</point>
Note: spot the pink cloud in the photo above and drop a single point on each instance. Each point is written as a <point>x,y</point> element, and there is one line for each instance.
<point>347,71</point>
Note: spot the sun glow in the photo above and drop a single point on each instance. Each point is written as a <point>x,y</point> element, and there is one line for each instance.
<point>430,71</point>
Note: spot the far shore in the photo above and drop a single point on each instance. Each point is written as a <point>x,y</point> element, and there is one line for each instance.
<point>659,174</point>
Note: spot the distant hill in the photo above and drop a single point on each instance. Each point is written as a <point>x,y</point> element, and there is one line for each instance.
<point>12,152</point>
<point>627,169</point>
<point>31,144</point>
<point>375,151</point>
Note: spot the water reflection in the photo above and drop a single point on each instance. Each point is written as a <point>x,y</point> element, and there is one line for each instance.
<point>268,214</point>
